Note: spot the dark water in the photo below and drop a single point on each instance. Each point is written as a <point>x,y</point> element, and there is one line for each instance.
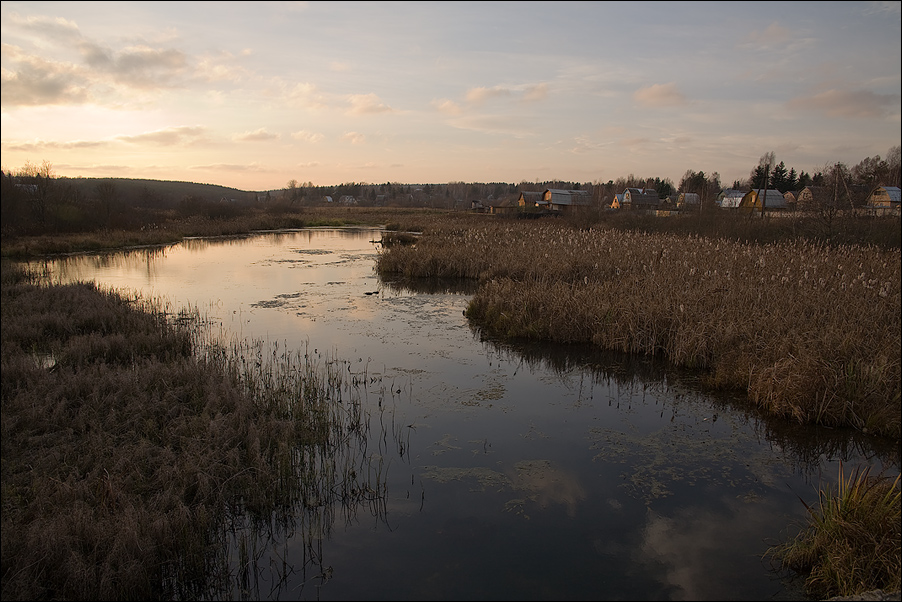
<point>522,473</point>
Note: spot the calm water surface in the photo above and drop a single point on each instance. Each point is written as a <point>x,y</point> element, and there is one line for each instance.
<point>510,473</point>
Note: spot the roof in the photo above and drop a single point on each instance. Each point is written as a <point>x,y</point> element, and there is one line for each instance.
<point>641,196</point>
<point>893,192</point>
<point>731,197</point>
<point>689,198</point>
<point>566,197</point>
<point>773,198</point>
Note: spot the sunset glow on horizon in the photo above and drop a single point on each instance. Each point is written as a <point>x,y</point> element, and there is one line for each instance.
<point>251,95</point>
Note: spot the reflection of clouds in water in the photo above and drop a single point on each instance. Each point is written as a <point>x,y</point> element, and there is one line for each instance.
<point>539,480</point>
<point>547,485</point>
<point>690,547</point>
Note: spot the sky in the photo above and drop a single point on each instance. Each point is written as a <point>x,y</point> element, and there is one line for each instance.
<point>252,95</point>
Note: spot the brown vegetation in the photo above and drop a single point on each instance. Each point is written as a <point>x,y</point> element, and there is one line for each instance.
<point>135,452</point>
<point>851,541</point>
<point>132,447</point>
<point>811,332</point>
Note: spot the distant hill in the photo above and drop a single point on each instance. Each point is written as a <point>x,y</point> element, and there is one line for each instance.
<point>158,192</point>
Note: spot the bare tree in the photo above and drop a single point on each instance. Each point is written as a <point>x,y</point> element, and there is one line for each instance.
<point>108,199</point>
<point>39,184</point>
<point>894,167</point>
<point>763,172</point>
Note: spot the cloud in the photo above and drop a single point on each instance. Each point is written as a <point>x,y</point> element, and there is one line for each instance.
<point>307,95</point>
<point>774,35</point>
<point>890,7</point>
<point>43,145</point>
<point>527,93</point>
<point>258,135</point>
<point>582,145</point>
<point>354,138</point>
<point>367,104</point>
<point>495,124</point>
<point>220,67</point>
<point>847,103</point>
<point>535,93</point>
<point>480,95</point>
<point>55,29</point>
<point>171,136</point>
<point>38,82</point>
<point>660,95</point>
<point>449,107</point>
<point>305,136</point>
<point>91,70</point>
<point>633,143</point>
<point>137,66</point>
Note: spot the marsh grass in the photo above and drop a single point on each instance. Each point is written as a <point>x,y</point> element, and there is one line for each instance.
<point>143,458</point>
<point>812,332</point>
<point>851,541</point>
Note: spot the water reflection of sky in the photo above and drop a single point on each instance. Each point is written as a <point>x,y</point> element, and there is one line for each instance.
<point>525,472</point>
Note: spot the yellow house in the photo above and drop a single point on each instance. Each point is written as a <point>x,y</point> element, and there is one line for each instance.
<point>529,200</point>
<point>773,200</point>
<point>885,201</point>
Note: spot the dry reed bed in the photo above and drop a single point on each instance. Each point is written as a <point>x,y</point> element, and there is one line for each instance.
<point>135,452</point>
<point>811,332</point>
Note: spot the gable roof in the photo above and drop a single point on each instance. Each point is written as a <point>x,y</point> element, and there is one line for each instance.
<point>731,197</point>
<point>641,196</point>
<point>891,193</point>
<point>557,196</point>
<point>773,199</point>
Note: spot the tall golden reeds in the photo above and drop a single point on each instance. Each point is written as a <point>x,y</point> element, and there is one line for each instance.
<point>810,331</point>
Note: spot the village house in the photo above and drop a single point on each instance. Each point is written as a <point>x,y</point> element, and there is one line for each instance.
<point>554,199</point>
<point>791,196</point>
<point>773,200</point>
<point>640,199</point>
<point>885,200</point>
<point>529,200</point>
<point>504,206</point>
<point>688,200</point>
<point>730,198</point>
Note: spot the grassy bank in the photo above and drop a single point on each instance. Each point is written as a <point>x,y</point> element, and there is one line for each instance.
<point>851,541</point>
<point>175,228</point>
<point>137,453</point>
<point>811,332</point>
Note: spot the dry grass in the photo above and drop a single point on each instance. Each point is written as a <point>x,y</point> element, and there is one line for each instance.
<point>810,331</point>
<point>851,542</point>
<point>136,449</point>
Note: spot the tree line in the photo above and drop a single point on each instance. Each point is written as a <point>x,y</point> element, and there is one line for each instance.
<point>36,201</point>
